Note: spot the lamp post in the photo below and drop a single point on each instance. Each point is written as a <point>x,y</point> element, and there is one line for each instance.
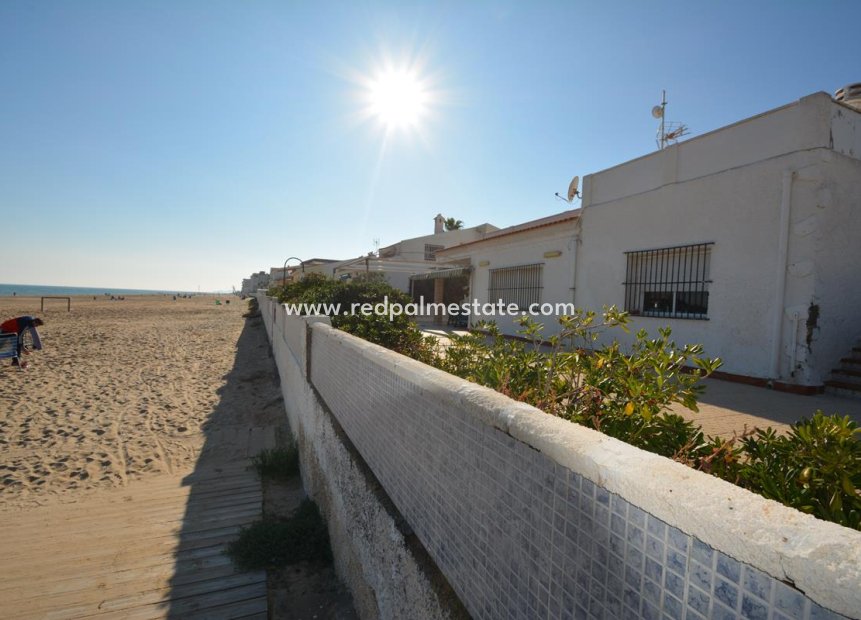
<point>284,270</point>
<point>284,281</point>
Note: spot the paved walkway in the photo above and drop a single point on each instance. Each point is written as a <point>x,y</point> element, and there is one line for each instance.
<point>728,407</point>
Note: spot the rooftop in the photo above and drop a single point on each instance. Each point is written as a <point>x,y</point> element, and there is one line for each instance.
<point>550,220</point>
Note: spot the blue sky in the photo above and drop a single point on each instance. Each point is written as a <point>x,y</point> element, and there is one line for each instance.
<point>184,144</point>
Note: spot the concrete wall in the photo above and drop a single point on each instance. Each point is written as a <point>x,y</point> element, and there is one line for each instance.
<point>732,187</point>
<point>375,553</point>
<point>834,233</point>
<point>845,131</point>
<point>527,515</point>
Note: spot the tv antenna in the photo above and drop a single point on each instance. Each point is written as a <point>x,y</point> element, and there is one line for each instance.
<point>376,245</point>
<point>573,191</point>
<point>668,132</point>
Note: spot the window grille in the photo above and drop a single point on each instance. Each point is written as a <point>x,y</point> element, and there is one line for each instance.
<point>669,282</point>
<point>431,250</point>
<point>519,285</point>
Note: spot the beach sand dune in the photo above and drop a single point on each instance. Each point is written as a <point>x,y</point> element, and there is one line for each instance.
<point>122,390</point>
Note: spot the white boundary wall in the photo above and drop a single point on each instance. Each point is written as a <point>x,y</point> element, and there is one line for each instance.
<point>374,554</point>
<point>528,515</point>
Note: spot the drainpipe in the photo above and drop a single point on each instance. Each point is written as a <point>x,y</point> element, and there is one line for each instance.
<point>795,317</point>
<point>576,240</point>
<point>585,200</point>
<point>782,255</point>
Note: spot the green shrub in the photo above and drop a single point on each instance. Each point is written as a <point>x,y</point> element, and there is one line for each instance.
<point>816,468</point>
<point>625,395</point>
<point>280,463</point>
<point>399,334</point>
<point>275,543</point>
<point>253,309</point>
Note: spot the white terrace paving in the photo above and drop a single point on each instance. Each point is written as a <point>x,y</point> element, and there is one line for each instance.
<point>728,407</point>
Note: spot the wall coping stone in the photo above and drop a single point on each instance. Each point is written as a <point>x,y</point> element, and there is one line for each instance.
<point>820,558</point>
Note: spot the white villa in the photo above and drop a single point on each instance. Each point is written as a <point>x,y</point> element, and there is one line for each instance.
<point>746,239</point>
<point>398,262</point>
<point>525,264</point>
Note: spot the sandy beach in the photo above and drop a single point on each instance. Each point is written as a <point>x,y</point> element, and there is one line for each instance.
<point>121,391</point>
<point>125,459</point>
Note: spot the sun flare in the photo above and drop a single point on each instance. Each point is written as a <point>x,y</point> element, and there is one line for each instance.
<point>397,98</point>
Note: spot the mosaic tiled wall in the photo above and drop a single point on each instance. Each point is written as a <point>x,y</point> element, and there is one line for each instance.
<point>517,535</point>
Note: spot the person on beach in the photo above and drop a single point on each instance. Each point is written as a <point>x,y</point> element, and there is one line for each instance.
<point>19,325</point>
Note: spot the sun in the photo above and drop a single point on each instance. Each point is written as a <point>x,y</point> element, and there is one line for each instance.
<point>397,98</point>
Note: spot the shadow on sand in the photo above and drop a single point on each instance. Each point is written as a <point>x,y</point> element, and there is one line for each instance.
<point>225,494</point>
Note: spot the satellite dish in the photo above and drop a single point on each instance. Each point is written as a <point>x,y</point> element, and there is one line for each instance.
<point>658,111</point>
<point>572,189</point>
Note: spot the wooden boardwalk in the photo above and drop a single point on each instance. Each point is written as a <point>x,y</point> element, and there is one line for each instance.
<point>153,549</point>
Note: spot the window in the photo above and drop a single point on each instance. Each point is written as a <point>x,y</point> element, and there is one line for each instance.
<point>669,282</point>
<point>431,250</point>
<point>516,285</point>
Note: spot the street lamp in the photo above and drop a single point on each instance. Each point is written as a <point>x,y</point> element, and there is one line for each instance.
<point>284,282</point>
<point>284,270</point>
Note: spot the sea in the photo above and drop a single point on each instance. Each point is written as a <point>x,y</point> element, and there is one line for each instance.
<point>38,290</point>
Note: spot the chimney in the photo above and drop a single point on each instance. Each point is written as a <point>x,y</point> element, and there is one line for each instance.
<point>438,224</point>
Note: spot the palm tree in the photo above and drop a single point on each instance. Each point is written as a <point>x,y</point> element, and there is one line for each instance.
<point>453,224</point>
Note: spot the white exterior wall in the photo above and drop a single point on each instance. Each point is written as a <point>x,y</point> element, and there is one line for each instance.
<point>414,249</point>
<point>396,279</point>
<point>400,281</point>
<point>525,248</point>
<point>727,187</point>
<point>325,269</point>
<point>277,275</point>
<point>836,238</point>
